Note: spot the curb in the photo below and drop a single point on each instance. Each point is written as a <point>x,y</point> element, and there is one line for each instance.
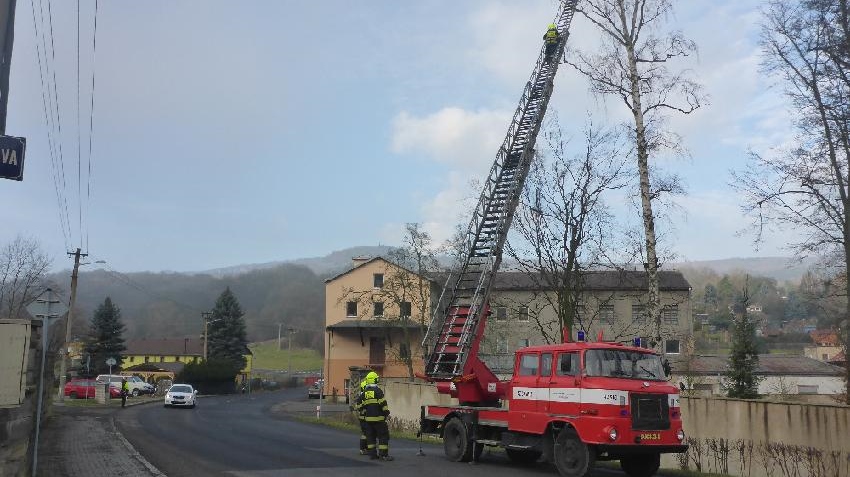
<point>151,468</point>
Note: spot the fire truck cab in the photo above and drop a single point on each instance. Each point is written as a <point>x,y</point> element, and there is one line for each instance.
<point>572,404</point>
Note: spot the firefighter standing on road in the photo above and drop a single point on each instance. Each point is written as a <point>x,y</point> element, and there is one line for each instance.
<point>125,390</point>
<point>375,412</point>
<point>358,409</point>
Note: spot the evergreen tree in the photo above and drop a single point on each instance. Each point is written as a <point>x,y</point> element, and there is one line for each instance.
<point>226,332</point>
<point>106,338</point>
<point>743,359</point>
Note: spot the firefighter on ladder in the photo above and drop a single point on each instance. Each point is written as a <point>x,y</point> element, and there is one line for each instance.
<point>373,407</point>
<point>551,38</point>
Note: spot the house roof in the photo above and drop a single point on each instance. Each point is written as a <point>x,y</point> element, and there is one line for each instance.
<point>839,359</point>
<point>769,365</point>
<point>594,280</point>
<point>825,338</point>
<point>362,262</point>
<point>174,367</point>
<point>372,323</point>
<point>165,347</point>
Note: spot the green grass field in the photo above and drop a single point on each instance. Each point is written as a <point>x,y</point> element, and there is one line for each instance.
<point>267,356</point>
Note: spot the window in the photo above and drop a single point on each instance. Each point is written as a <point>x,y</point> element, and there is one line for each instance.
<point>133,358</point>
<point>671,347</point>
<point>378,279</point>
<point>523,343</point>
<point>195,359</point>
<point>807,389</point>
<point>162,359</point>
<point>379,309</point>
<point>147,358</point>
<point>606,314</point>
<point>639,313</point>
<point>567,364</point>
<point>670,314</point>
<point>351,308</point>
<point>501,313</point>
<point>502,345</point>
<point>404,309</point>
<point>403,351</point>
<point>528,364</point>
<point>522,313</point>
<point>177,359</point>
<point>546,364</point>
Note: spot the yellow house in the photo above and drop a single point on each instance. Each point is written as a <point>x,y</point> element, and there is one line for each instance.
<point>165,357</point>
<point>376,314</point>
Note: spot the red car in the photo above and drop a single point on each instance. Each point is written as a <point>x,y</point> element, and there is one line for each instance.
<point>84,389</point>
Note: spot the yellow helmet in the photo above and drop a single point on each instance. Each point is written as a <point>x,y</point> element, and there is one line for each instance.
<point>552,26</point>
<point>372,378</point>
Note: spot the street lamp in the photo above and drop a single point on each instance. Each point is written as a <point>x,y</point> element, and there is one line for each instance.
<point>206,316</point>
<point>289,351</point>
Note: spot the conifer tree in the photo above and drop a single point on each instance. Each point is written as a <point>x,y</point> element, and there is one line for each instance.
<point>742,381</point>
<point>106,338</point>
<point>226,333</point>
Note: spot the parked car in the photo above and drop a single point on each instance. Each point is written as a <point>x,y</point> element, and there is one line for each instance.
<point>80,388</point>
<point>85,389</point>
<point>137,385</point>
<point>181,395</point>
<point>315,390</point>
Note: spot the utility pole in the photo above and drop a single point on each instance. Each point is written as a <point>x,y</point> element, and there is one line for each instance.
<point>63,369</point>
<point>206,317</point>
<point>289,352</point>
<point>279,325</point>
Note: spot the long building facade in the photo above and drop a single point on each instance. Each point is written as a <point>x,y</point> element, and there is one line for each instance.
<point>377,314</point>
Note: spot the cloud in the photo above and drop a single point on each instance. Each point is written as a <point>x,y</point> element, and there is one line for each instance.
<point>465,140</point>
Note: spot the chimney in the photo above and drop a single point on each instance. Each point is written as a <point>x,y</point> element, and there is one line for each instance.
<point>185,345</point>
<point>359,260</point>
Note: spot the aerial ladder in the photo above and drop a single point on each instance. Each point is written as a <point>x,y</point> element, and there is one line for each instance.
<point>456,329</point>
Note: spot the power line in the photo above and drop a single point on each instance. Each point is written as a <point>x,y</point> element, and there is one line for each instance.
<point>79,163</point>
<point>91,115</point>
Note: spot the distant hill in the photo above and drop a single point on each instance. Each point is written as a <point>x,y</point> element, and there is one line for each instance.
<point>328,265</point>
<point>284,293</point>
<point>779,268</point>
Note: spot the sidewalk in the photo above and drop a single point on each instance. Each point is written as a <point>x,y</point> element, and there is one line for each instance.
<point>79,442</point>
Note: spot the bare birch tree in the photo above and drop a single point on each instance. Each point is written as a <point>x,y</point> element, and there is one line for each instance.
<point>805,185</point>
<point>22,270</point>
<point>562,223</point>
<point>633,65</point>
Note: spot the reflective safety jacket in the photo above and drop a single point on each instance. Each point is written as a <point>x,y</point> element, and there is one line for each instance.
<point>551,36</point>
<point>371,404</point>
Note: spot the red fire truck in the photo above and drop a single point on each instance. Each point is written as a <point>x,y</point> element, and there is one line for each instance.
<point>572,403</point>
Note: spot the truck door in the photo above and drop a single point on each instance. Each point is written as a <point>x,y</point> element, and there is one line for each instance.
<point>544,382</point>
<point>524,390</point>
<point>564,385</point>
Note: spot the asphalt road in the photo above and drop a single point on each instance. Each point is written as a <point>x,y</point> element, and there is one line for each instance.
<point>240,436</point>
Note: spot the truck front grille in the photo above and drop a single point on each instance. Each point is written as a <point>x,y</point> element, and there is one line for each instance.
<point>650,412</point>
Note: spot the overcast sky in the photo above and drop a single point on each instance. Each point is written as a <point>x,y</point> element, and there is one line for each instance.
<point>242,132</point>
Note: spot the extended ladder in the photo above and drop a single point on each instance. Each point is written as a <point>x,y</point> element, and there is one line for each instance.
<point>455,330</point>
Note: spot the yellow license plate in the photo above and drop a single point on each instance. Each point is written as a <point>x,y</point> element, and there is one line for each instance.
<point>650,436</point>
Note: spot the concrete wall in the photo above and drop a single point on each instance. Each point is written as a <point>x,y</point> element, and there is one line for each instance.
<point>738,437</point>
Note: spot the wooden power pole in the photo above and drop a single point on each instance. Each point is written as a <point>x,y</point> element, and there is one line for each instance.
<point>64,367</point>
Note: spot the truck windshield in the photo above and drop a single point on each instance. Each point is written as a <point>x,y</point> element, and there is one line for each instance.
<point>615,363</point>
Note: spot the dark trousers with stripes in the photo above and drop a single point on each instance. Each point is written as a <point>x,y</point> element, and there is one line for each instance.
<point>363,431</point>
<point>377,438</point>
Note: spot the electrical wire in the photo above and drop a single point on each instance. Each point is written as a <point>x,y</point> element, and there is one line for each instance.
<point>91,115</point>
<point>79,163</point>
<point>132,283</point>
<point>45,95</point>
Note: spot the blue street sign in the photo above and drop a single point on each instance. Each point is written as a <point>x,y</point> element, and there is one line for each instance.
<point>12,157</point>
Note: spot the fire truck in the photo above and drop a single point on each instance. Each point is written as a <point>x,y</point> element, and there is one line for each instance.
<point>571,404</point>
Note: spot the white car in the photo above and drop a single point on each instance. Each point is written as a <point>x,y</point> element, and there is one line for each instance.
<point>181,395</point>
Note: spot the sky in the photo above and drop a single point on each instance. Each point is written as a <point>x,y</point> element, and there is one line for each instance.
<point>230,133</point>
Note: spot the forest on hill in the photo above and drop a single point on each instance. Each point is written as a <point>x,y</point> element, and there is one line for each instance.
<point>160,305</point>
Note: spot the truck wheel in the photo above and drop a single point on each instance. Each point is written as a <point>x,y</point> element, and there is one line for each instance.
<point>573,458</point>
<point>518,456</point>
<point>641,465</point>
<point>456,442</point>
